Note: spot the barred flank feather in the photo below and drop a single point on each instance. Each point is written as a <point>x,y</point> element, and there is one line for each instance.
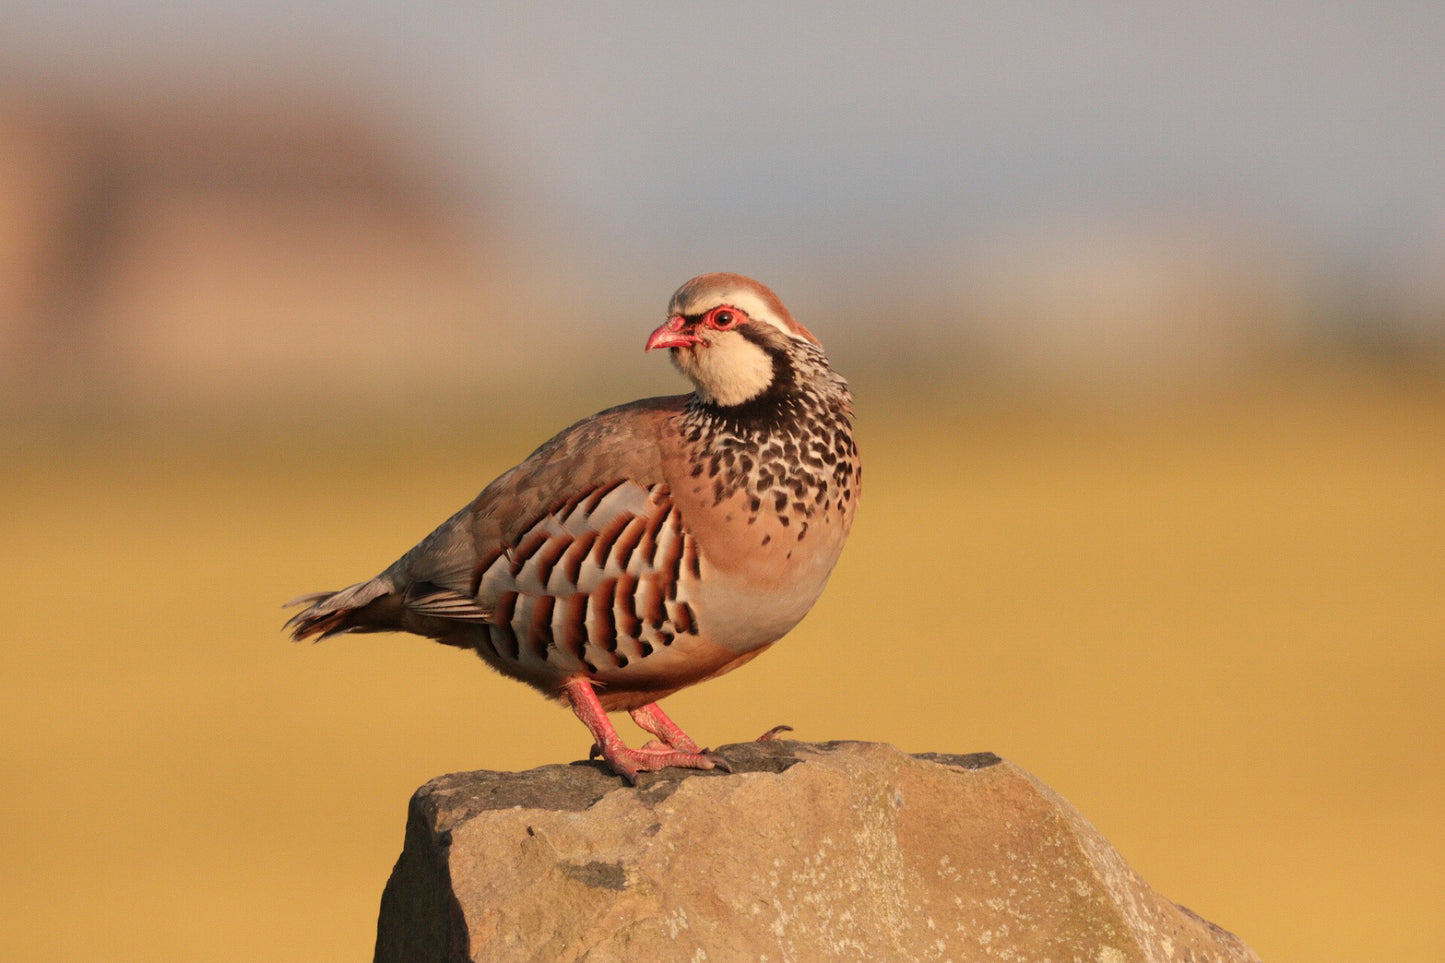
<point>330,613</point>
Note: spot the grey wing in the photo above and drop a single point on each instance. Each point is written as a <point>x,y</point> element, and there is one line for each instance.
<point>580,533</point>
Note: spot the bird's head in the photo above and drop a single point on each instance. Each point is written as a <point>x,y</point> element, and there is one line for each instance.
<point>730,336</point>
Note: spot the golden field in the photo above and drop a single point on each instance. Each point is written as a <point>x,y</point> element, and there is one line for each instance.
<point>1215,626</point>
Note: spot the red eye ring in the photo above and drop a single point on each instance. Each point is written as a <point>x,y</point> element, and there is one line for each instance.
<point>725,318</point>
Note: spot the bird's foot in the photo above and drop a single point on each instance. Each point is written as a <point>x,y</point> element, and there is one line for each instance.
<point>628,763</point>
<point>672,747</point>
<point>776,732</point>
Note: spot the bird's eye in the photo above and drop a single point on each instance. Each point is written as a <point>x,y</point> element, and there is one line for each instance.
<point>724,319</point>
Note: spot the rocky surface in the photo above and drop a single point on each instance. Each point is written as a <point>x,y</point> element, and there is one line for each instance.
<point>834,851</point>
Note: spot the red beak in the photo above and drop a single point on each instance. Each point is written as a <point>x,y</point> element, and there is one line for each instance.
<point>671,334</point>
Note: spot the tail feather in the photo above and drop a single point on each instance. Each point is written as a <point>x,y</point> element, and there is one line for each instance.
<point>330,613</point>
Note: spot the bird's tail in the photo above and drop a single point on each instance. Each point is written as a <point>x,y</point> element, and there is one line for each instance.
<point>330,613</point>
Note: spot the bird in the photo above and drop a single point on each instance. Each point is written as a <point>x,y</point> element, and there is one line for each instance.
<point>651,546</point>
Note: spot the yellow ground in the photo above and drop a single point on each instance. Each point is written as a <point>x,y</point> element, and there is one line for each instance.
<point>1216,628</point>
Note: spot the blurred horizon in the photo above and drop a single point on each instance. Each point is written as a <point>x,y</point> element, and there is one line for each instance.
<point>205,206</point>
<point>1144,307</point>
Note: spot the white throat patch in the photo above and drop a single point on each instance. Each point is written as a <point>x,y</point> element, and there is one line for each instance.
<point>728,371</point>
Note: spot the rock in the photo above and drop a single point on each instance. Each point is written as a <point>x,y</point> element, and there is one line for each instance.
<point>833,851</point>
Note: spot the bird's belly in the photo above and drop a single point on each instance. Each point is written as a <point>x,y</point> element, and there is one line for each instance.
<point>714,623</point>
<point>765,555</point>
<point>744,609</point>
<point>628,683</point>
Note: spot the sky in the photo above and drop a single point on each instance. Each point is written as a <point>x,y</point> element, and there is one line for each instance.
<point>847,134</point>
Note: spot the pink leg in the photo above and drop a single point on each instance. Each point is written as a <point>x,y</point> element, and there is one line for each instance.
<point>626,762</point>
<point>652,719</point>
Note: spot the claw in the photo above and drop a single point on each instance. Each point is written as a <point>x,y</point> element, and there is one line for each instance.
<point>773,733</point>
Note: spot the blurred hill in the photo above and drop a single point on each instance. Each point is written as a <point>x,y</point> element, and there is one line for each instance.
<point>161,248</point>
<point>221,249</point>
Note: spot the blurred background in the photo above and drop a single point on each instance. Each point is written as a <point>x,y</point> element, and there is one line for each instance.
<point>1145,311</point>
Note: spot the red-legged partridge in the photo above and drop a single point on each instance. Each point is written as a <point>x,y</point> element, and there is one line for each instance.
<point>651,546</point>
